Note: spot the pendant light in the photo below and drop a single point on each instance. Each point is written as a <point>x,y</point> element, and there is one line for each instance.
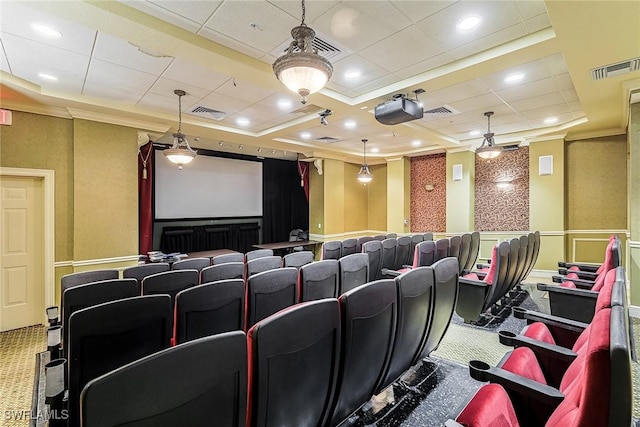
<point>180,153</point>
<point>488,149</point>
<point>301,69</point>
<point>364,175</point>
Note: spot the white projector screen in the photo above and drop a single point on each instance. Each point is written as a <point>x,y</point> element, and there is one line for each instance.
<point>208,187</point>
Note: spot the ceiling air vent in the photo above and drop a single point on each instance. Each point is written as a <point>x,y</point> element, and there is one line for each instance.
<point>207,113</point>
<point>613,70</point>
<point>327,139</point>
<point>329,50</point>
<point>445,110</point>
<point>510,147</point>
<point>307,109</point>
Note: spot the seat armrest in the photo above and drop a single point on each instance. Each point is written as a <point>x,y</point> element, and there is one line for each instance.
<point>585,293</point>
<point>472,282</point>
<point>585,275</point>
<point>549,319</point>
<point>452,423</point>
<point>53,315</point>
<point>539,347</point>
<point>583,267</point>
<point>387,272</point>
<point>521,386</point>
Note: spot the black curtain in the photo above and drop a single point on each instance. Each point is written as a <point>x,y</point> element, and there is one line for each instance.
<point>284,204</point>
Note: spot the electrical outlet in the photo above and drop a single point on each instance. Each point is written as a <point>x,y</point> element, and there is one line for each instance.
<point>319,225</point>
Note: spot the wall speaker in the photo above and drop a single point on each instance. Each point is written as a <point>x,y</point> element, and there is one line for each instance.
<point>545,165</point>
<point>457,172</point>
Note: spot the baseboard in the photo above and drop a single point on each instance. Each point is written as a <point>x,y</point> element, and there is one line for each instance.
<point>634,311</point>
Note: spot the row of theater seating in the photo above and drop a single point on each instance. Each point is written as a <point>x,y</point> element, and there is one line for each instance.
<point>313,363</point>
<point>334,249</point>
<point>561,372</point>
<point>490,291</point>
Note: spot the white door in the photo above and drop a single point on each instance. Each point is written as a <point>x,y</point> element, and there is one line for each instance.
<point>21,252</point>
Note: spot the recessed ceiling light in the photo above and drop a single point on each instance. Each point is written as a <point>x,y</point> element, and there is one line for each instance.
<point>350,124</point>
<point>242,121</point>
<point>416,143</point>
<point>352,74</point>
<point>284,103</point>
<point>305,135</point>
<point>375,150</point>
<point>364,107</point>
<point>46,76</point>
<point>514,78</point>
<point>468,23</point>
<point>550,120</point>
<point>47,31</point>
<point>475,132</point>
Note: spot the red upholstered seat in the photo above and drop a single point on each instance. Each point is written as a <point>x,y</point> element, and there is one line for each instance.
<point>490,407</point>
<point>523,362</point>
<point>490,271</point>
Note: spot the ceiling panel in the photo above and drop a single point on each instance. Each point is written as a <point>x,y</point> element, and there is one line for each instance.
<point>243,90</point>
<point>528,90</point>
<point>426,65</point>
<point>537,102</point>
<point>165,87</point>
<point>196,75</point>
<point>234,44</point>
<point>119,52</point>
<point>368,71</point>
<point>194,10</point>
<point>156,10</point>
<point>110,76</point>
<point>417,11</point>
<point>314,9</point>
<point>491,40</point>
<point>460,91</point>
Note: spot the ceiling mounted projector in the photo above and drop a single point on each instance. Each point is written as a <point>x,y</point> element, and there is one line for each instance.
<point>399,110</point>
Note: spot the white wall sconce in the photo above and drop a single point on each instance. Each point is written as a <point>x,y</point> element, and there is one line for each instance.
<point>429,187</point>
<point>457,172</point>
<point>545,165</point>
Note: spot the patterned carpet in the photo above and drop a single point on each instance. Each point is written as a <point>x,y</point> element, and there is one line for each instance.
<point>19,347</point>
<point>17,367</point>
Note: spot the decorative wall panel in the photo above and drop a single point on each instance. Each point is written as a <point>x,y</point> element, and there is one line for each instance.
<point>502,192</point>
<point>428,193</point>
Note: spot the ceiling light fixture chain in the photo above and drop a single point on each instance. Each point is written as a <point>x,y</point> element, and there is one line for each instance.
<point>304,12</point>
<point>180,153</point>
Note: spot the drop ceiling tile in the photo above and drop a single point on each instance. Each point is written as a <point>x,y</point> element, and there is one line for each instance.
<point>537,23</point>
<point>274,102</point>
<point>165,87</point>
<point>537,102</point>
<point>368,71</point>
<point>508,128</point>
<point>490,40</point>
<point>70,79</point>
<point>117,51</point>
<point>217,37</point>
<point>75,37</point>
<point>495,16</point>
<point>505,119</point>
<point>528,90</point>
<point>578,114</point>
<point>574,106</point>
<point>258,113</point>
<point>160,102</point>
<point>402,49</point>
<point>314,9</point>
<point>102,73</point>
<point>194,10</point>
<point>482,102</point>
<point>224,103</point>
<point>114,93</point>
<point>544,112</point>
<point>356,25</point>
<point>376,84</point>
<point>530,8</point>
<point>563,81</point>
<point>196,75</point>
<point>562,118</point>
<point>18,48</point>
<point>532,71</point>
<point>460,91</point>
<point>164,14</point>
<point>418,10</point>
<point>426,65</point>
<point>272,25</point>
<point>244,90</point>
<point>556,64</point>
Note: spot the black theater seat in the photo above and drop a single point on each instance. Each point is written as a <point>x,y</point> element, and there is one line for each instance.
<point>191,264</point>
<point>170,283</point>
<point>225,271</point>
<point>175,387</point>
<point>389,247</point>
<point>318,280</point>
<point>269,292</point>
<point>442,249</point>
<point>331,250</point>
<point>349,246</point>
<point>361,241</point>
<point>266,263</point>
<point>465,251</point>
<point>139,272</point>
<point>403,252</point>
<point>110,335</point>
<point>416,291</point>
<point>83,277</point>
<point>209,309</point>
<point>369,316</point>
<point>373,249</point>
<point>294,358</point>
<point>225,258</point>
<point>353,271</point>
<point>455,246</point>
<point>297,259</point>
<point>445,279</point>
<point>474,249</point>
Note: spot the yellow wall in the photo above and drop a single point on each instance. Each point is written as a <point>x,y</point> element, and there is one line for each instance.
<point>547,202</point>
<point>398,193</point>
<point>34,141</point>
<point>461,194</point>
<point>633,269</point>
<point>355,196</point>
<point>596,183</point>
<point>316,201</point>
<point>334,189</point>
<point>377,198</point>
<point>105,190</point>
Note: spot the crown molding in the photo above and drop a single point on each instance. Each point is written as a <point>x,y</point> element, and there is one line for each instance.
<point>595,134</point>
<point>44,110</point>
<point>117,120</point>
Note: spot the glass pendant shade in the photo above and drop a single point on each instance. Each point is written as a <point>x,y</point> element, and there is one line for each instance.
<point>365,175</point>
<point>488,149</point>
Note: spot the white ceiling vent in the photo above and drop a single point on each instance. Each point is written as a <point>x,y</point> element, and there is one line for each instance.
<point>327,139</point>
<point>329,49</point>
<point>443,111</point>
<point>613,70</point>
<point>207,113</point>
